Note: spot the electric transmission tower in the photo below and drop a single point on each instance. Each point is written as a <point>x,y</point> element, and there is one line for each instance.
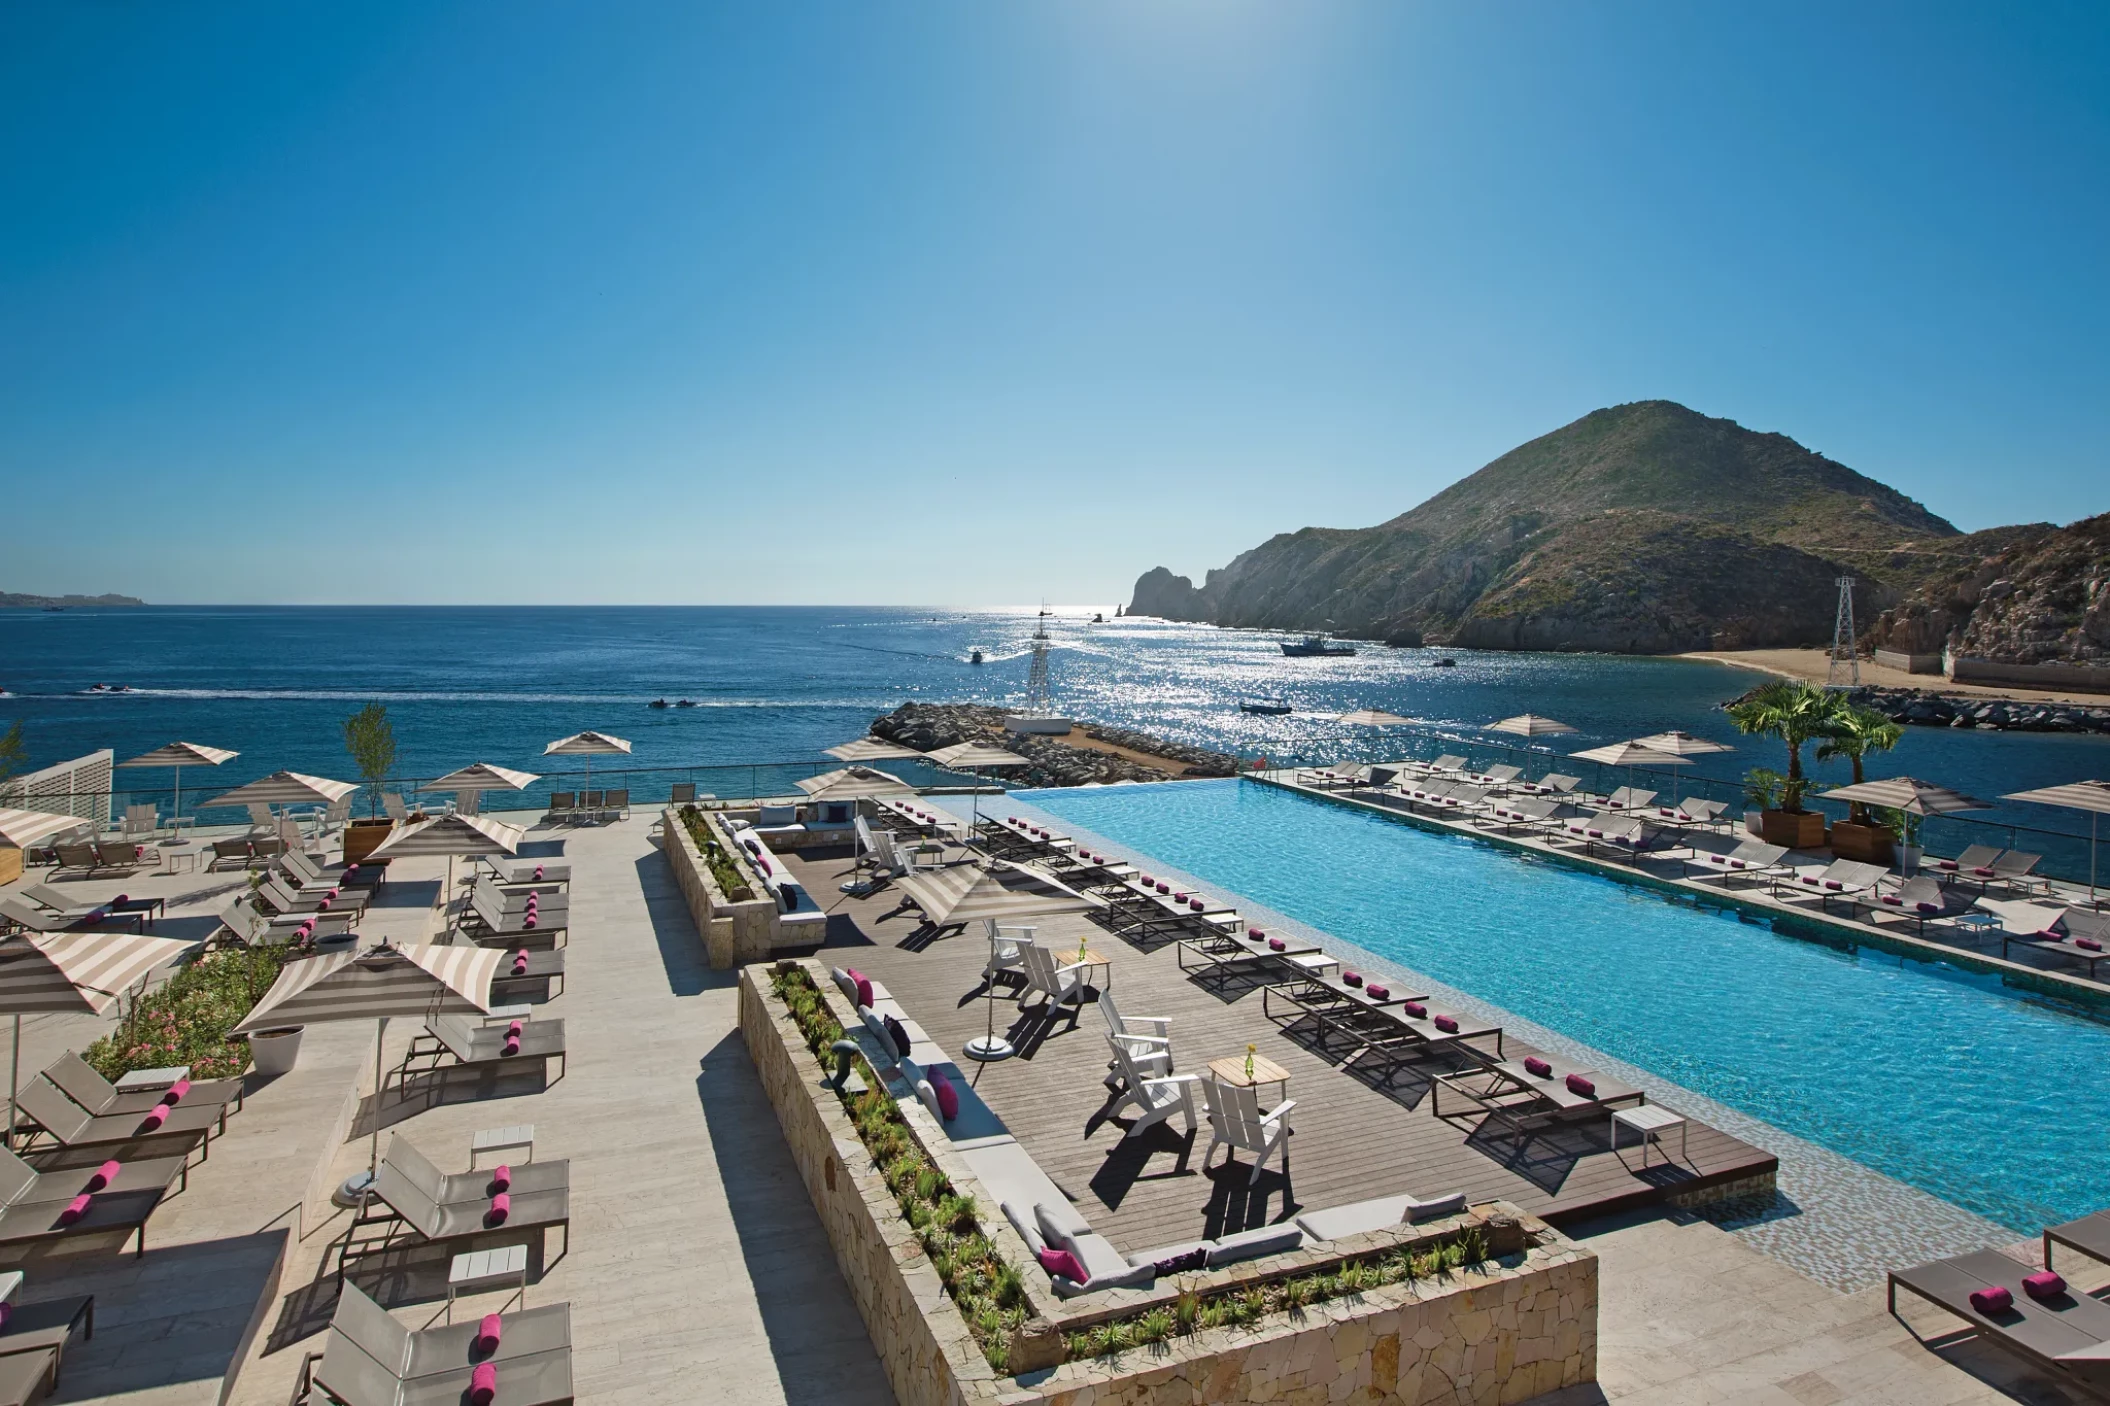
<point>1845,667</point>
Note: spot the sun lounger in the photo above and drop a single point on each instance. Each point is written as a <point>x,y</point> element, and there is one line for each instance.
<point>1515,1094</point>
<point>1690,811</point>
<point>2065,1333</point>
<point>1501,775</point>
<point>1138,912</point>
<point>369,1359</point>
<point>75,1135</point>
<point>1625,834</point>
<point>1842,878</point>
<point>62,904</point>
<point>1224,954</point>
<point>1534,811</point>
<point>396,1216</point>
<point>33,1344</point>
<point>1448,763</point>
<point>78,1080</point>
<point>2085,938</point>
<point>1417,1028</point>
<point>2090,1235</point>
<point>1922,900</point>
<point>313,873</point>
<point>1733,858</point>
<point>490,923</point>
<point>22,913</point>
<point>451,1042</point>
<point>281,899</point>
<point>456,1188</point>
<point>1552,783</point>
<point>1976,861</point>
<point>1629,798</point>
<point>35,1205</point>
<point>2015,869</point>
<point>529,871</point>
<point>78,857</point>
<point>246,926</point>
<point>1331,1005</point>
<point>545,969</point>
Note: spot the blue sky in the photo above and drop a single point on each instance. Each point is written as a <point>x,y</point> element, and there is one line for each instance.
<point>979,303</point>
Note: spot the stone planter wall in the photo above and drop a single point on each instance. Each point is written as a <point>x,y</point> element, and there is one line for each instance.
<point>1503,1332</point>
<point>733,933</point>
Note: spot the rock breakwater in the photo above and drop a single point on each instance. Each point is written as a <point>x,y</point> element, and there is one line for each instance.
<point>928,726</point>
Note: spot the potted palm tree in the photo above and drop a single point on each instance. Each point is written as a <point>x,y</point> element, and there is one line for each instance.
<point>371,740</point>
<point>1796,713</point>
<point>1855,733</point>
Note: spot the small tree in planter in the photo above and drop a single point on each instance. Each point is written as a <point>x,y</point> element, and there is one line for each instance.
<point>1856,733</point>
<point>1796,713</point>
<point>371,739</point>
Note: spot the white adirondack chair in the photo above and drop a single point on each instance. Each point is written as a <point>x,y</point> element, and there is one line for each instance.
<point>1238,1123</point>
<point>1148,1039</point>
<point>1004,949</point>
<point>1062,985</point>
<point>1156,1098</point>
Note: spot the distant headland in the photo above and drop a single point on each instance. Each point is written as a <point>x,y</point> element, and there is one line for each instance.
<point>18,601</point>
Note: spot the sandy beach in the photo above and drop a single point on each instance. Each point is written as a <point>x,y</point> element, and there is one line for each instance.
<point>1814,665</point>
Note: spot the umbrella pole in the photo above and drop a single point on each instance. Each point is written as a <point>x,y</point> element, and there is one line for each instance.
<point>373,1157</point>
<point>14,1080</point>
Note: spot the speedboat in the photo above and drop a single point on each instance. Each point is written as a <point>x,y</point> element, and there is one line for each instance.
<point>1443,663</point>
<point>684,702</point>
<point>975,658</point>
<point>109,688</point>
<point>1271,710</point>
<point>657,703</point>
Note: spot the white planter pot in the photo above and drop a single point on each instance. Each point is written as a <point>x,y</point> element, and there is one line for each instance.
<point>1754,822</point>
<point>274,1051</point>
<point>1909,858</point>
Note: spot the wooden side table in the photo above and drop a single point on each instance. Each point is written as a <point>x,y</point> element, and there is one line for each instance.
<point>1090,959</point>
<point>1231,1070</point>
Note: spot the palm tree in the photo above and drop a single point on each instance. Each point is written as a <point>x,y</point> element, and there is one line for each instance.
<point>1796,713</point>
<point>1854,734</point>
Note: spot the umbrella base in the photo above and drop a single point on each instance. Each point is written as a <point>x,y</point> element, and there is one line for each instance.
<point>353,1191</point>
<point>989,1048</point>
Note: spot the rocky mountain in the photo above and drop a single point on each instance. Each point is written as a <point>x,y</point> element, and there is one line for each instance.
<point>1642,528</point>
<point>18,600</point>
<point>2030,595</point>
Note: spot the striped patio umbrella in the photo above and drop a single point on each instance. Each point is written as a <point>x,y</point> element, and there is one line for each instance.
<point>1530,725</point>
<point>451,835</point>
<point>23,828</point>
<point>970,893</point>
<point>180,755</point>
<point>855,783</point>
<point>1375,717</point>
<point>871,749</point>
<point>287,788</point>
<point>2091,796</point>
<point>588,745</point>
<point>965,756</point>
<point>471,781</point>
<point>1631,755</point>
<point>72,973</point>
<point>377,984</point>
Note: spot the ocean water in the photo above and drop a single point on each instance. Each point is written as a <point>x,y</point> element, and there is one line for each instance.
<point>1991,1099</point>
<point>778,685</point>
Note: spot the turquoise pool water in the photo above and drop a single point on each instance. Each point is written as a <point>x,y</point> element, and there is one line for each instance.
<point>1943,1079</point>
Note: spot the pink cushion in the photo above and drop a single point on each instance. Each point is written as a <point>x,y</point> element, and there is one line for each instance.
<point>1352,978</point>
<point>1983,874</point>
<point>528,921</point>
<point>1062,1264</point>
<point>489,1332</point>
<point>948,1096</point>
<point>2043,1285</point>
<point>512,1045</point>
<point>1416,1009</point>
<point>501,1178</point>
<point>501,1207</point>
<point>75,1209</point>
<point>176,1091</point>
<point>1577,1084</point>
<point>1376,992</point>
<point>513,1030</point>
<point>1993,1298</point>
<point>103,1176</point>
<point>155,1118</point>
<point>1196,904</point>
<point>2088,944</point>
<point>1276,944</point>
<point>1448,1024</point>
<point>863,984</point>
<point>483,1384</point>
<point>1537,1067</point>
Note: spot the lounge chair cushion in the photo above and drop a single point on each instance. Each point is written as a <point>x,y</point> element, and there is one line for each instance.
<point>1252,1244</point>
<point>1339,1222</point>
<point>778,815</point>
<point>1058,1221</point>
<point>896,1035</point>
<point>1024,1225</point>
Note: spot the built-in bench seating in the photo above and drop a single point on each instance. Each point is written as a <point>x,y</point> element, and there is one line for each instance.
<point>1044,1217</point>
<point>795,907</point>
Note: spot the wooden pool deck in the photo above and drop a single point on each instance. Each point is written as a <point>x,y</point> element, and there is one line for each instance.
<point>1355,1137</point>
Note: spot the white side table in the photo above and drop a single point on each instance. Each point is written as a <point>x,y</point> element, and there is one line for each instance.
<point>483,1269</point>
<point>1649,1120</point>
<point>501,1015</point>
<point>150,1081</point>
<point>502,1140</point>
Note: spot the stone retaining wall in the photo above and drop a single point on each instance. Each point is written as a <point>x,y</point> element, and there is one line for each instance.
<point>733,933</point>
<point>1502,1332</point>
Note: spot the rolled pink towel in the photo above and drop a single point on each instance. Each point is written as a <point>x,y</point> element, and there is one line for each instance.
<point>155,1118</point>
<point>7,1311</point>
<point>1196,904</point>
<point>1145,880</point>
<point>103,1175</point>
<point>2043,1285</point>
<point>538,873</point>
<point>1352,978</point>
<point>520,966</point>
<point>512,1046</point>
<point>489,1332</point>
<point>1448,1024</point>
<point>323,907</point>
<point>1256,933</point>
<point>501,1178</point>
<point>1992,1299</point>
<point>520,954</point>
<point>1376,992</point>
<point>75,1209</point>
<point>1180,897</point>
<point>501,1207</point>
<point>2088,944</point>
<point>1578,1084</point>
<point>1276,944</point>
<point>1164,888</point>
<point>1537,1068</point>
<point>331,894</point>
<point>513,1030</point>
<point>1416,1009</point>
<point>119,899</point>
<point>528,921</point>
<point>483,1384</point>
<point>350,869</point>
<point>176,1092</point>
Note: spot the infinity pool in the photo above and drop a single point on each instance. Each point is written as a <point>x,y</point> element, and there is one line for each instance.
<point>1940,1078</point>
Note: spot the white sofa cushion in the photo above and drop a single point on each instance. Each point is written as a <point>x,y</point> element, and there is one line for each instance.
<point>1339,1222</point>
